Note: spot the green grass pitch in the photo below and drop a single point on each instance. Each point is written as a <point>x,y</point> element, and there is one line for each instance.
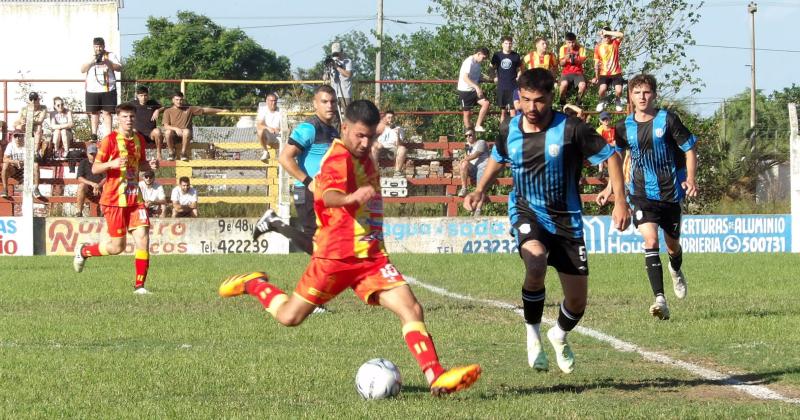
<point>83,345</point>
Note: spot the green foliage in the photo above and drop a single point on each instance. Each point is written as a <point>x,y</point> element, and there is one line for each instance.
<point>194,47</point>
<point>656,31</point>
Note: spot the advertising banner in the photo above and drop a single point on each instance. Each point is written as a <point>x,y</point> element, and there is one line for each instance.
<point>12,236</point>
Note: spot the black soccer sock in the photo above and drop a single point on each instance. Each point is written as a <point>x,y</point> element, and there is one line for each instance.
<point>567,320</point>
<point>676,261</point>
<point>300,239</point>
<point>533,306</point>
<point>655,273</point>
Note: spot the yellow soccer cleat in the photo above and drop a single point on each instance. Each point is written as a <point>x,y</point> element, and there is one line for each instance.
<point>455,379</point>
<point>234,285</point>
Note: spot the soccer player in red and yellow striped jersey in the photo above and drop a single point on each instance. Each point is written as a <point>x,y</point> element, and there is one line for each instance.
<point>121,156</point>
<point>349,252</point>
<point>607,67</point>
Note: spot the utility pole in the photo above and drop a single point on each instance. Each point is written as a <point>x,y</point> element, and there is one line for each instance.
<point>752,8</point>
<point>378,54</point>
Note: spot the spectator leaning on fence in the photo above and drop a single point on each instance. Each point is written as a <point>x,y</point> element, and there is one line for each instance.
<point>61,123</point>
<point>268,125</point>
<point>184,199</point>
<point>40,114</point>
<point>469,89</point>
<point>90,185</point>
<point>146,123</point>
<point>155,200</point>
<point>13,165</point>
<point>101,85</point>
<point>177,122</point>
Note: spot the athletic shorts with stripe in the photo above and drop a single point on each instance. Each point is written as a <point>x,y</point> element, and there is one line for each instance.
<point>121,220</point>
<point>324,279</point>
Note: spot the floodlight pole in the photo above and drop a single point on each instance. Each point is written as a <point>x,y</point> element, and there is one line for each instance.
<point>379,34</point>
<point>752,8</point>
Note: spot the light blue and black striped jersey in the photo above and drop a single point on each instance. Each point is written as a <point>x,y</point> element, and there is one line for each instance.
<point>313,137</point>
<point>658,155</point>
<point>546,168</point>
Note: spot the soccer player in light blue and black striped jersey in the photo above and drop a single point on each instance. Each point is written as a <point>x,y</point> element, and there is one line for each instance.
<point>545,150</point>
<point>663,164</point>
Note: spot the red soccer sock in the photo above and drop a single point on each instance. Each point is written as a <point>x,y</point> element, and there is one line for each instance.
<point>270,296</point>
<point>94,250</point>
<point>142,265</point>
<point>421,346</point>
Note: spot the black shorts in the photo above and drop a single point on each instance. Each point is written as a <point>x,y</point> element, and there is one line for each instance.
<point>615,80</point>
<point>665,214</point>
<point>566,255</point>
<point>101,101</point>
<point>505,98</point>
<point>468,99</point>
<point>573,79</point>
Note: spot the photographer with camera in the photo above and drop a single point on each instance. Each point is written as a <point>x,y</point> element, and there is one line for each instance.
<point>571,58</point>
<point>101,85</point>
<point>339,73</point>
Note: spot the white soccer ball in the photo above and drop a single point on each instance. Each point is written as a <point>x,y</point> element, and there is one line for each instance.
<point>377,379</point>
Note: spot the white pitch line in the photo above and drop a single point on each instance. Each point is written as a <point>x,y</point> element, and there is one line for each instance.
<point>757,391</point>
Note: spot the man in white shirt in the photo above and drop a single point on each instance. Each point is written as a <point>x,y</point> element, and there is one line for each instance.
<point>101,85</point>
<point>184,199</point>
<point>268,125</point>
<point>339,72</point>
<point>13,164</point>
<point>391,140</point>
<point>155,200</point>
<point>474,162</point>
<point>469,90</point>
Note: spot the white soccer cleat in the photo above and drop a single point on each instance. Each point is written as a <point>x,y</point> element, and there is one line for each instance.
<point>537,358</point>
<point>79,260</point>
<point>659,309</point>
<point>263,224</point>
<point>678,282</point>
<point>600,106</point>
<point>265,156</point>
<point>564,356</point>
<point>140,291</point>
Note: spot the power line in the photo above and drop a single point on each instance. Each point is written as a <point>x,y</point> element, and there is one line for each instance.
<point>729,47</point>
<point>282,25</point>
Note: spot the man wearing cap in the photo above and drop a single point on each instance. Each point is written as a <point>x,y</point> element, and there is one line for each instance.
<point>339,71</point>
<point>605,128</point>
<point>13,163</point>
<point>89,185</point>
<point>155,200</point>
<point>101,85</point>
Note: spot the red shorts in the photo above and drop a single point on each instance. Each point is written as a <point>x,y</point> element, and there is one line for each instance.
<point>121,220</point>
<point>324,279</point>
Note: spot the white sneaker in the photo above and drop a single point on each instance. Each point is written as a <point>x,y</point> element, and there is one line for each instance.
<point>263,224</point>
<point>462,192</point>
<point>678,282</point>
<point>79,260</point>
<point>537,358</point>
<point>479,129</point>
<point>140,291</point>
<point>618,106</point>
<point>564,356</point>
<point>600,106</point>
<point>265,156</point>
<point>659,309</point>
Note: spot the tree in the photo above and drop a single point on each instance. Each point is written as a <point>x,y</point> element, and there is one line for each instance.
<point>656,31</point>
<point>195,47</point>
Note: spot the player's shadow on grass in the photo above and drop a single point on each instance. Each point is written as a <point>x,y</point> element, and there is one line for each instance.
<point>664,384</point>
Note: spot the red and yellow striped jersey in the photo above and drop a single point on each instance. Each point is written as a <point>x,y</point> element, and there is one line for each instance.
<point>122,185</point>
<point>534,60</point>
<point>354,230</point>
<point>607,58</point>
<point>574,65</point>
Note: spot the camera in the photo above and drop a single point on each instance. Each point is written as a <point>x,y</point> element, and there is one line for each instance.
<point>98,58</point>
<point>329,61</point>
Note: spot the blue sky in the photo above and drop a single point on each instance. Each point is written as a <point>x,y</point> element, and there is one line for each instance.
<point>723,24</point>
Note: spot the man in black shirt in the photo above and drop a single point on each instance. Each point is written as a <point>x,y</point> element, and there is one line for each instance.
<point>147,111</point>
<point>507,64</point>
<point>90,185</point>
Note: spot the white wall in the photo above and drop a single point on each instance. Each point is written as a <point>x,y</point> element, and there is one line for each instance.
<point>50,40</point>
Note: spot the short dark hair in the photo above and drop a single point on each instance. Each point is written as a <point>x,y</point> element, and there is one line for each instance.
<point>537,79</point>
<point>142,89</point>
<point>389,111</point>
<point>506,38</point>
<point>178,94</point>
<point>273,94</point>
<point>482,50</point>
<point>362,111</point>
<point>643,79</point>
<point>536,41</point>
<point>325,89</point>
<point>606,28</point>
<point>570,36</point>
<point>99,41</point>
<point>183,179</point>
<point>125,107</point>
